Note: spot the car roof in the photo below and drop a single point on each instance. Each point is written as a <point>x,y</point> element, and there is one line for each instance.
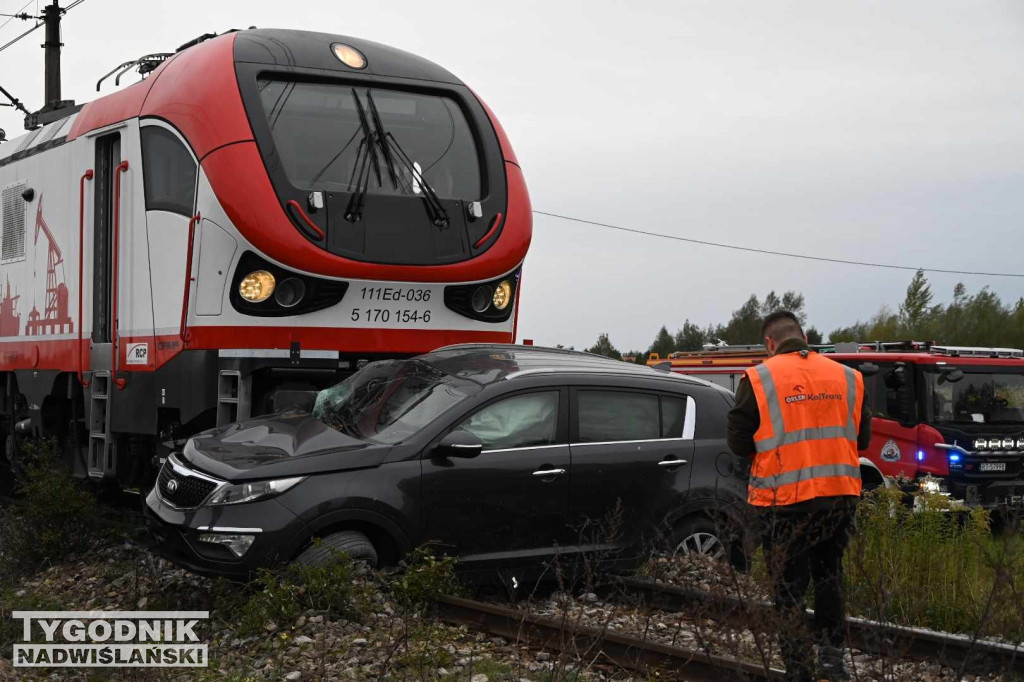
<point>491,362</point>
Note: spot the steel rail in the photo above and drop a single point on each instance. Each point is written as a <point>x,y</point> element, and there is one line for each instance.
<point>590,643</point>
<point>952,650</point>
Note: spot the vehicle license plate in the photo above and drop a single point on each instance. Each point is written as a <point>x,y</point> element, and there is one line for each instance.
<point>992,466</point>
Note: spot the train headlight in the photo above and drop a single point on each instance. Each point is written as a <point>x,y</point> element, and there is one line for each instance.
<point>349,56</point>
<point>257,286</point>
<point>482,297</point>
<point>290,292</point>
<point>502,295</point>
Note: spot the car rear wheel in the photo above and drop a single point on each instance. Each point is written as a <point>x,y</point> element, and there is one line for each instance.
<point>351,543</point>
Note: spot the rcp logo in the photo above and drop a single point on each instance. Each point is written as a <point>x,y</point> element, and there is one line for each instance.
<point>137,354</point>
<point>110,639</point>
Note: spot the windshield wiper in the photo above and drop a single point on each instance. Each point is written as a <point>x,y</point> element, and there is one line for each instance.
<point>388,144</point>
<point>366,156</point>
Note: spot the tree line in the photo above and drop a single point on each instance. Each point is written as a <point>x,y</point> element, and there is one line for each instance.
<point>979,319</point>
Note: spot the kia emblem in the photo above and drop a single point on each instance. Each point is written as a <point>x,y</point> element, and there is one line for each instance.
<point>172,486</point>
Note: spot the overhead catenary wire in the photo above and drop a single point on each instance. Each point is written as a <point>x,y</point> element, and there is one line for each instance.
<point>770,252</point>
<point>8,44</point>
<point>65,10</point>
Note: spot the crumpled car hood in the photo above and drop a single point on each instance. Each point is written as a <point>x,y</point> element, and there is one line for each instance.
<point>286,444</point>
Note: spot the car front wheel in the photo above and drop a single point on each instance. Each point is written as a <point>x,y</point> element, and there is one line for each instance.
<point>351,543</point>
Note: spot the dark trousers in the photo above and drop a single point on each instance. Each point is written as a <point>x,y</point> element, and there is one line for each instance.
<point>800,547</point>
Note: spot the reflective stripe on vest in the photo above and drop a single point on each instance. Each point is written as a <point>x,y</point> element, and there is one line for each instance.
<point>805,474</point>
<point>782,437</point>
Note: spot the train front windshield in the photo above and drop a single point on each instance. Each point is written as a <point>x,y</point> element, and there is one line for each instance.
<point>982,396</point>
<point>322,132</point>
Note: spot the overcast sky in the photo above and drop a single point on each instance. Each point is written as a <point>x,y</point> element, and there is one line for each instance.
<point>881,131</point>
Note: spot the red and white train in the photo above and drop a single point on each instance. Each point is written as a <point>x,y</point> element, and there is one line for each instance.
<point>266,210</point>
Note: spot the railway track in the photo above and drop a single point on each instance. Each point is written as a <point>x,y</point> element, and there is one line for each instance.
<point>588,643</point>
<point>959,652</point>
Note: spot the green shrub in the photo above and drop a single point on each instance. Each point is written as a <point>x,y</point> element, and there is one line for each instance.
<point>934,566</point>
<point>57,516</point>
<point>281,596</point>
<point>425,576</point>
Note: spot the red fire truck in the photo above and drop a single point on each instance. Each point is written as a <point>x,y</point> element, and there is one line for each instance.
<point>264,212</point>
<point>949,412</point>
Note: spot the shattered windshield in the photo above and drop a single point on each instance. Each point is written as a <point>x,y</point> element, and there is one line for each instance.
<point>388,401</point>
<point>981,397</point>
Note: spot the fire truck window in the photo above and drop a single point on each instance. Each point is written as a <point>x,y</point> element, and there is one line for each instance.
<point>606,416</point>
<point>169,172</point>
<point>323,132</point>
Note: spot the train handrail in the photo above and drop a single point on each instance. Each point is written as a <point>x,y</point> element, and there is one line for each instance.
<point>121,168</point>
<point>87,175</point>
<point>318,233</point>
<point>192,222</point>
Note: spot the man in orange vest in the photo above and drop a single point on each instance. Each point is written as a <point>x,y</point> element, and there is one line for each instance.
<point>802,418</point>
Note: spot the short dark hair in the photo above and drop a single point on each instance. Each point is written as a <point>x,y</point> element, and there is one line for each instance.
<point>781,325</point>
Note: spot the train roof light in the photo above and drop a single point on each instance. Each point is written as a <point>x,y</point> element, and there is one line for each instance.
<point>349,56</point>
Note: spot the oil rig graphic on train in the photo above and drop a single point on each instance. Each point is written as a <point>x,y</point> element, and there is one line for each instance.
<point>55,319</point>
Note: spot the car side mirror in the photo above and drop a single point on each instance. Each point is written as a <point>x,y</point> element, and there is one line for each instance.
<point>868,369</point>
<point>459,444</point>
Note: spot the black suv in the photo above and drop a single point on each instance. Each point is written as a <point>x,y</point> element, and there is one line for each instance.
<point>500,455</point>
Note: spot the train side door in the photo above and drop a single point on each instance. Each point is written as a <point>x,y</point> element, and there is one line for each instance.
<point>108,158</point>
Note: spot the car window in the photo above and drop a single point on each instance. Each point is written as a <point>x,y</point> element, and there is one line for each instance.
<point>673,417</point>
<point>618,415</point>
<point>521,421</point>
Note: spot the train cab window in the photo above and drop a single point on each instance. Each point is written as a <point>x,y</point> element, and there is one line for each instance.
<point>609,416</point>
<point>169,172</point>
<point>323,133</point>
<point>527,420</point>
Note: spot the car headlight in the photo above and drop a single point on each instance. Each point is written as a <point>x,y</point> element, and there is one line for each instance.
<point>252,491</point>
<point>256,286</point>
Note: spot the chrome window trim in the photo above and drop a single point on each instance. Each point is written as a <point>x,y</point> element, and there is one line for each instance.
<point>630,442</point>
<point>228,529</point>
<point>690,418</point>
<point>527,447</point>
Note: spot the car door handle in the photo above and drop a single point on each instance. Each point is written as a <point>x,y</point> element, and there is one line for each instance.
<point>672,462</point>
<point>549,472</point>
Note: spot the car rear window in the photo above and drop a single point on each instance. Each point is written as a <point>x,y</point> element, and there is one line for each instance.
<point>673,417</point>
<point>618,416</point>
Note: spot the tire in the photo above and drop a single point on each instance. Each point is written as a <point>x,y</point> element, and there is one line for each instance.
<point>702,535</point>
<point>351,543</point>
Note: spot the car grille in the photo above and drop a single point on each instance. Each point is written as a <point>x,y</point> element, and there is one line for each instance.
<point>182,490</point>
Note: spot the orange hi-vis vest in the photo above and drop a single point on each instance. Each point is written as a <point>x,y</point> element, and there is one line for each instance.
<point>810,410</point>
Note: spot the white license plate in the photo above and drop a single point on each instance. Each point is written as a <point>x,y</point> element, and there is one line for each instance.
<point>992,466</point>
